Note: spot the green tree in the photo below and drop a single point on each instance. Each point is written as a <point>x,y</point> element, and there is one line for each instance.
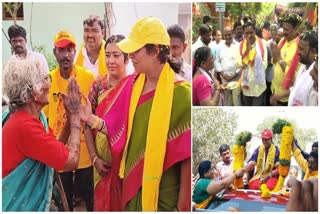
<point>258,11</point>
<point>12,8</point>
<point>51,60</point>
<point>211,127</point>
<point>303,135</point>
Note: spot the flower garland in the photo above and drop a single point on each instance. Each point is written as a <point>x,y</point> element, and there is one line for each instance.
<point>284,127</point>
<point>265,192</point>
<point>285,156</point>
<point>238,151</point>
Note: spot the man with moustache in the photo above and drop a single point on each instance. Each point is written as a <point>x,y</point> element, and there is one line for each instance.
<point>266,160</point>
<point>253,52</point>
<point>224,167</point>
<point>307,49</point>
<point>18,41</point>
<point>64,50</point>
<point>238,31</point>
<point>286,59</point>
<point>204,39</point>
<point>92,53</point>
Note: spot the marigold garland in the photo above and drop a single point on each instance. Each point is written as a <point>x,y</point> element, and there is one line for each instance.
<point>238,154</point>
<point>265,192</point>
<point>285,156</point>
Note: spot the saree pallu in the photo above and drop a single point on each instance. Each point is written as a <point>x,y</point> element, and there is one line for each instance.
<point>178,149</point>
<point>113,108</point>
<point>29,186</point>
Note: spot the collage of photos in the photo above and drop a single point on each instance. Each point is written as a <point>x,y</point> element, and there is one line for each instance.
<point>159,106</point>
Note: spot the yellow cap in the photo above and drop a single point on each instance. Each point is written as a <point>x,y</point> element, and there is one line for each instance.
<point>148,30</point>
<point>63,39</point>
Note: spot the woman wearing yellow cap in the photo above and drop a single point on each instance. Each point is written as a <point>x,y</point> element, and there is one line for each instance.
<point>147,124</point>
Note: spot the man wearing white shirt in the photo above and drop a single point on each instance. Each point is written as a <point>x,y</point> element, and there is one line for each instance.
<point>204,39</point>
<point>18,41</point>
<point>313,97</point>
<point>92,52</point>
<point>178,46</point>
<point>227,64</point>
<point>303,85</point>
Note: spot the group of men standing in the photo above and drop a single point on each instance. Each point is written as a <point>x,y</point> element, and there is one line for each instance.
<point>279,70</point>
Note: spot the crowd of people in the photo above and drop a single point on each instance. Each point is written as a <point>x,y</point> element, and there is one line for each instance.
<point>262,167</point>
<point>95,121</point>
<point>275,65</point>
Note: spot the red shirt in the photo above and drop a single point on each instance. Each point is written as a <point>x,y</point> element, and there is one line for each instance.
<point>24,136</point>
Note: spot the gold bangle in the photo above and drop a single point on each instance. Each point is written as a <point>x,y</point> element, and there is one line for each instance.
<point>96,123</point>
<point>94,160</point>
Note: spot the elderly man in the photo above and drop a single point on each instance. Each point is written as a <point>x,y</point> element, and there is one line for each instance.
<point>303,86</point>
<point>286,60</point>
<point>92,53</point>
<point>266,160</point>
<point>64,50</point>
<point>227,64</point>
<point>18,41</point>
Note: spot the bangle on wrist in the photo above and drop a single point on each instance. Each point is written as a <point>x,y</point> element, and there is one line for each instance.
<point>94,160</point>
<point>75,125</point>
<point>96,123</point>
<point>102,126</point>
<point>93,156</point>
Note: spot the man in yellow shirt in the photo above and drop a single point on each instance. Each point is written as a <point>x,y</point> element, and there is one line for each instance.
<point>310,166</point>
<point>286,60</point>
<point>64,51</point>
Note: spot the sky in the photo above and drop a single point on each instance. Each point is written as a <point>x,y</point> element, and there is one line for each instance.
<point>249,118</point>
